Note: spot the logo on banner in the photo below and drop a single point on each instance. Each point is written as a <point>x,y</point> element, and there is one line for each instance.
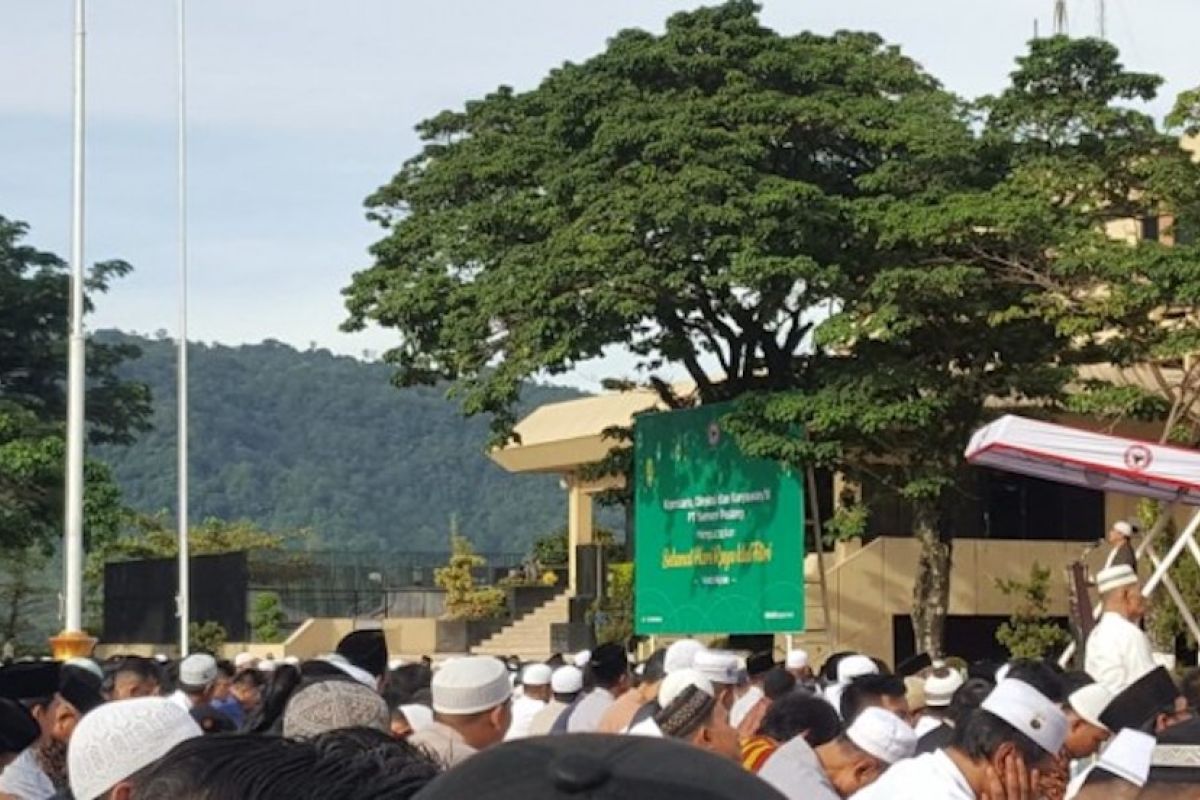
<point>1139,458</point>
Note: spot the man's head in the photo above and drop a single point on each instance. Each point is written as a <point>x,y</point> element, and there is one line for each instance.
<point>873,742</point>
<point>609,667</point>
<point>1086,733</point>
<point>653,672</point>
<point>472,695</point>
<point>333,704</point>
<point>940,686</point>
<point>692,711</point>
<point>1120,592</point>
<point>1120,533</point>
<point>881,691</point>
<point>566,683</point>
<point>779,683</point>
<point>198,677</point>
<point>247,689</point>
<point>367,650</point>
<point>801,714</point>
<point>1151,704</point>
<point>1015,719</point>
<point>1122,769</point>
<point>535,679</point>
<point>18,730</point>
<point>721,669</point>
<point>114,743</point>
<point>681,655</point>
<point>135,676</point>
<point>797,664</point>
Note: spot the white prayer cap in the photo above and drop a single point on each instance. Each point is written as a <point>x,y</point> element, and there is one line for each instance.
<point>855,666</point>
<point>1089,702</point>
<point>470,685</point>
<point>243,660</point>
<point>536,675</point>
<point>197,671</point>
<point>796,659</point>
<point>681,655</point>
<point>351,671</point>
<point>266,665</point>
<point>940,688</point>
<point>647,727</point>
<point>674,684</point>
<point>883,735</point>
<point>1030,712</point>
<point>1129,756</point>
<point>161,658</point>
<point>396,663</point>
<point>117,740</point>
<point>1115,577</point>
<point>1124,528</point>
<point>583,658</point>
<point>291,660</point>
<point>566,680</point>
<point>85,664</point>
<point>419,717</point>
<point>717,666</point>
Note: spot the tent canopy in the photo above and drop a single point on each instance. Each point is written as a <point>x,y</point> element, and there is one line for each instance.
<point>1083,458</point>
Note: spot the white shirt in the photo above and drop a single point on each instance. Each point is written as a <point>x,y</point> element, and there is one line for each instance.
<point>932,776</point>
<point>743,704</point>
<point>588,711</point>
<point>524,709</point>
<point>927,724</point>
<point>796,772</point>
<point>180,699</point>
<point>24,778</point>
<point>1118,653</point>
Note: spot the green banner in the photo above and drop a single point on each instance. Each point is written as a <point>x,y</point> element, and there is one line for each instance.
<point>718,536</point>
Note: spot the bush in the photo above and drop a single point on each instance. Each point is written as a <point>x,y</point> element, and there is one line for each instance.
<point>465,600</point>
<point>1029,633</point>
<point>208,637</point>
<point>267,618</point>
<point>613,618</point>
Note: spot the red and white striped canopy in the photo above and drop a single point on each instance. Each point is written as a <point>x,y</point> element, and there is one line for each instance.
<point>1095,460</point>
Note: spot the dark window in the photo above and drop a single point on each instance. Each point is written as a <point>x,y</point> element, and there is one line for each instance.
<point>969,638</point>
<point>1150,229</point>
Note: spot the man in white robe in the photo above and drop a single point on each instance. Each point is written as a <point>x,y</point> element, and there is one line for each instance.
<point>1118,651</point>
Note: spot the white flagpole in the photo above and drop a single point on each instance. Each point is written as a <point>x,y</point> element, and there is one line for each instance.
<point>76,373</point>
<point>182,378</point>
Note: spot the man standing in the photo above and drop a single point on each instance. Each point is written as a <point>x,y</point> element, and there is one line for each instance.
<point>197,679</point>
<point>471,709</point>
<point>1121,552</point>
<point>535,682</point>
<point>610,668</point>
<point>1118,651</point>
<point>620,714</point>
<point>566,683</point>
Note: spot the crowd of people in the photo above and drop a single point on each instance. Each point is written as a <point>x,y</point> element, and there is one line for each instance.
<point>688,721</point>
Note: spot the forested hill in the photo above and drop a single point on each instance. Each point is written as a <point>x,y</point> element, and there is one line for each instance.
<point>295,439</point>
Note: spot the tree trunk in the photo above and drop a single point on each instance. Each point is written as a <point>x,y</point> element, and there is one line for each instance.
<point>931,589</point>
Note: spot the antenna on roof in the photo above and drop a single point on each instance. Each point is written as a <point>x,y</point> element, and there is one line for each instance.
<point>1060,17</point>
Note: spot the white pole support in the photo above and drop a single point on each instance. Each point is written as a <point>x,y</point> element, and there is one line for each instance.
<point>184,605</point>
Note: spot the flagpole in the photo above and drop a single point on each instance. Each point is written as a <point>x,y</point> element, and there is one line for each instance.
<point>73,641</point>
<point>182,377</point>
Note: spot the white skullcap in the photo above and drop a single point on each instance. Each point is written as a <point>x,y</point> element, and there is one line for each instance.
<point>291,660</point>
<point>396,663</point>
<point>266,665</point>
<point>674,684</point>
<point>1129,756</point>
<point>85,664</point>
<point>566,680</point>
<point>1089,702</point>
<point>332,705</point>
<point>1115,577</point>
<point>197,671</point>
<point>118,739</point>
<point>357,673</point>
<point>1030,712</point>
<point>940,689</point>
<point>583,658</point>
<point>242,660</point>
<point>796,659</point>
<point>855,666</point>
<point>536,675</point>
<point>717,666</point>
<point>470,685</point>
<point>1124,528</point>
<point>419,717</point>
<point>883,735</point>
<point>161,658</point>
<point>681,655</point>
<point>647,727</point>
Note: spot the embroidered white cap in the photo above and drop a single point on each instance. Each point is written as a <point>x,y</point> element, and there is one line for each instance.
<point>470,684</point>
<point>674,684</point>
<point>1030,712</point>
<point>883,735</point>
<point>1115,577</point>
<point>197,671</point>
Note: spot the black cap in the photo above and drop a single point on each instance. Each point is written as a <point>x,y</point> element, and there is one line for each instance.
<point>1176,757</point>
<point>18,728</point>
<point>1140,702</point>
<point>30,680</point>
<point>609,662</point>
<point>597,767</point>
<point>365,650</point>
<point>80,688</point>
<point>759,664</point>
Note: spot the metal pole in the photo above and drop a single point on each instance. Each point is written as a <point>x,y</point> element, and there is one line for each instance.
<point>76,373</point>
<point>1102,18</point>
<point>182,377</point>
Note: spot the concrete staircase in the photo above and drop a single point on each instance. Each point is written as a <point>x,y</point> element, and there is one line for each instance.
<point>529,636</point>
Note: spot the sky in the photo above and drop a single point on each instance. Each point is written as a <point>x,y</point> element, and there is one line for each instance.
<point>298,109</point>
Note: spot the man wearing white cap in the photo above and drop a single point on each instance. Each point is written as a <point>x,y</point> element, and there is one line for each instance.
<point>797,664</point>
<point>118,740</point>
<point>535,680</point>
<point>939,688</point>
<point>197,678</point>
<point>1121,551</point>
<point>1118,652</point>
<point>566,683</point>
<point>1086,733</point>
<point>838,769</point>
<point>849,668</point>
<point>691,710</point>
<point>721,670</point>
<point>1121,771</point>
<point>681,654</point>
<point>1016,731</point>
<point>471,709</point>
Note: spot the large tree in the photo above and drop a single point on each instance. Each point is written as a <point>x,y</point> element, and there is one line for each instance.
<point>34,291</point>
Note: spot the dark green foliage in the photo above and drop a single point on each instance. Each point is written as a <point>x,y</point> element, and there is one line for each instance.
<point>307,440</point>
<point>267,618</point>
<point>1029,632</point>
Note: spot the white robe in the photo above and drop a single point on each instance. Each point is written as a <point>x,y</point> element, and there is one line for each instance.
<point>927,724</point>
<point>524,709</point>
<point>932,776</point>
<point>1118,653</point>
<point>24,778</point>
